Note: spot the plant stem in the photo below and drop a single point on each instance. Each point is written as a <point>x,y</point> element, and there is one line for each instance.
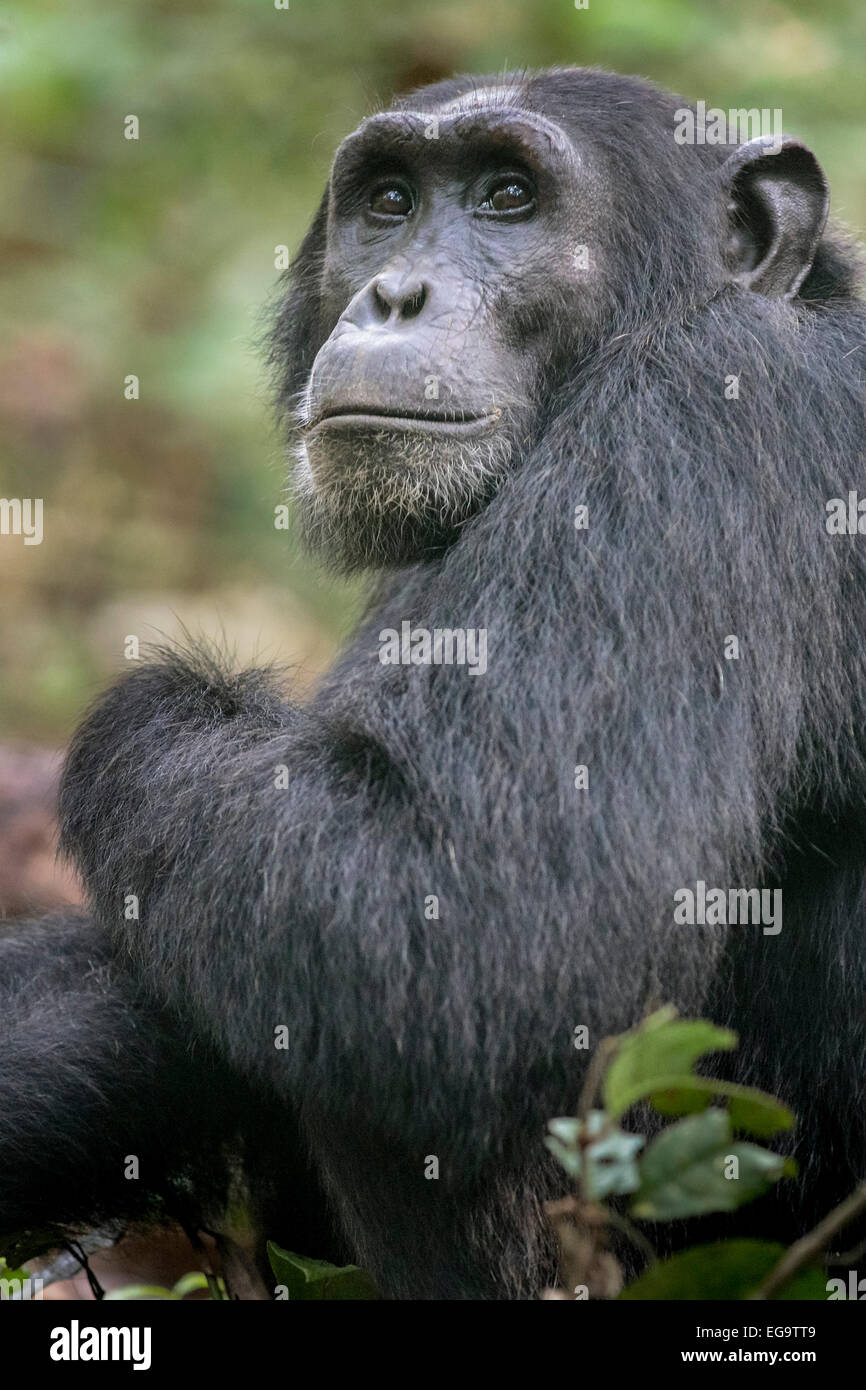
<point>809,1246</point>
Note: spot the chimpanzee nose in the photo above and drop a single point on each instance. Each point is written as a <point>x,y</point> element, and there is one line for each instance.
<point>395,297</point>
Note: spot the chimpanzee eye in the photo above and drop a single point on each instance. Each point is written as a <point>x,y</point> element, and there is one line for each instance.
<point>510,194</point>
<point>390,200</point>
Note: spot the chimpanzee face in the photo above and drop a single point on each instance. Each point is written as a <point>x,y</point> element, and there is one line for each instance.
<point>475,253</point>
<point>448,266</point>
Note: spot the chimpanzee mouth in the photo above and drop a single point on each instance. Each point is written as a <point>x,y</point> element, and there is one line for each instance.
<point>365,418</point>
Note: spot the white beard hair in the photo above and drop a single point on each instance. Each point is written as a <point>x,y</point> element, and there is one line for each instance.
<point>363,510</point>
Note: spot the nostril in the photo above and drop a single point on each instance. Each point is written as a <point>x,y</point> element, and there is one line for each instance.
<point>413,304</point>
<point>381,304</point>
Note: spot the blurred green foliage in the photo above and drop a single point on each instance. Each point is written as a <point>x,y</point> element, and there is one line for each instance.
<point>155,257</point>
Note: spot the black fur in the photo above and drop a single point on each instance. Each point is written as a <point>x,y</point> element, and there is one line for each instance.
<point>95,1072</point>
<point>304,906</point>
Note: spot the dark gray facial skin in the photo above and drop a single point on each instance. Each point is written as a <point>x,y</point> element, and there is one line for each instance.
<point>447,263</point>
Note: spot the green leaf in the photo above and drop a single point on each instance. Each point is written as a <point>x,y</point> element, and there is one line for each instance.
<point>186,1284</point>
<point>658,1055</point>
<point>147,1292</point>
<point>189,1283</point>
<point>751,1110</point>
<point>725,1270</point>
<point>755,1111</point>
<point>316,1279</point>
<point>655,1062</point>
<point>683,1171</point>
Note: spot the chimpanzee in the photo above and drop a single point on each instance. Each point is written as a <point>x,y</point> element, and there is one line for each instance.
<point>588,399</point>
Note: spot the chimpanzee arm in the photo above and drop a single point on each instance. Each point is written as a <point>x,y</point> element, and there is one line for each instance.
<point>266,868</point>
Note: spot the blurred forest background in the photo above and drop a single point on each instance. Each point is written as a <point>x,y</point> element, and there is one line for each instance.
<point>156,257</point>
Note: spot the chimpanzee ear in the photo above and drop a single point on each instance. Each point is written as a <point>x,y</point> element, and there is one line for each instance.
<point>778,201</point>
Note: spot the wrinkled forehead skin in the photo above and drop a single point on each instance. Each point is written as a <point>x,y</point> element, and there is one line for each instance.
<point>499,113</point>
<point>573,103</point>
<point>498,105</point>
